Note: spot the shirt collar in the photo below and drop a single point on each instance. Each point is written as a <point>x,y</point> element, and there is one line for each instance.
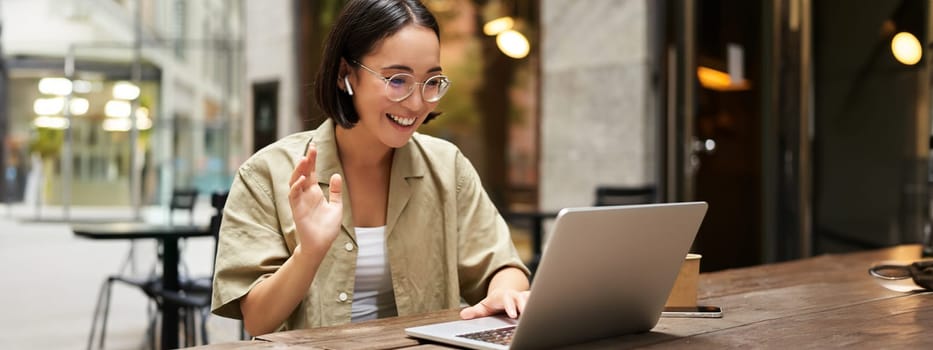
<point>405,162</point>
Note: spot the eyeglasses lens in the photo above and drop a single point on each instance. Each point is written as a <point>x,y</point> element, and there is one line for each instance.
<point>400,86</point>
<point>435,88</point>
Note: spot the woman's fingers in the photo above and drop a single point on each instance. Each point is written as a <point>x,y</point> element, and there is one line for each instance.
<point>522,300</point>
<point>336,183</point>
<point>306,167</point>
<point>478,310</point>
<point>509,306</point>
<point>296,188</point>
<point>512,302</point>
<point>467,313</point>
<point>298,172</point>
<point>311,158</point>
<point>304,179</point>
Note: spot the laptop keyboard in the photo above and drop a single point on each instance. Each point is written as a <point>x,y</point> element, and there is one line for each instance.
<point>501,336</point>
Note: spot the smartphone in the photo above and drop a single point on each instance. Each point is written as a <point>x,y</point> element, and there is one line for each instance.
<point>692,311</point>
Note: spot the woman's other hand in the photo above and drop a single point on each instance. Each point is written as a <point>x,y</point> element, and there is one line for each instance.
<point>317,219</point>
<point>509,300</point>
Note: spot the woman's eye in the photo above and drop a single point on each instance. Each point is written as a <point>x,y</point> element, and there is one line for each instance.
<point>397,81</point>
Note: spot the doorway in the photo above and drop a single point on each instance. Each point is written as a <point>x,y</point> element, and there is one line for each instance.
<point>727,129</point>
<point>819,145</point>
<point>713,128</point>
<point>265,114</point>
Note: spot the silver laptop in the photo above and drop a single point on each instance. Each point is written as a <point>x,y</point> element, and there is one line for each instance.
<point>606,271</point>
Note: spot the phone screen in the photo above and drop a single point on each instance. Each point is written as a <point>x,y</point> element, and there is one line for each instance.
<point>692,311</point>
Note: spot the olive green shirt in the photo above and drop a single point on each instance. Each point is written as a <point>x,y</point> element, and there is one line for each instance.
<point>444,237</point>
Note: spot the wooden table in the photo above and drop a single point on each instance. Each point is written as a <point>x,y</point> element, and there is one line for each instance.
<point>169,236</point>
<point>823,302</point>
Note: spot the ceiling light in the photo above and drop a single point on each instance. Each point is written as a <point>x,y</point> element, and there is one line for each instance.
<point>117,109</point>
<point>79,106</point>
<point>718,80</point>
<point>55,86</point>
<point>48,106</point>
<point>125,91</point>
<point>50,122</point>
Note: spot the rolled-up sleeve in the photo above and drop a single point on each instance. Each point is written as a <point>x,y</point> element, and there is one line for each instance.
<point>250,246</point>
<point>484,240</point>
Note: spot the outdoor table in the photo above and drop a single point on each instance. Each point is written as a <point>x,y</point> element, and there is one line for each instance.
<point>168,235</point>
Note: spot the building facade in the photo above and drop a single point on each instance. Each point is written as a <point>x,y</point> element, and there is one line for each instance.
<point>180,61</point>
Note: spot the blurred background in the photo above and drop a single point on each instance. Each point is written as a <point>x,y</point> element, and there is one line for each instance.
<point>804,123</point>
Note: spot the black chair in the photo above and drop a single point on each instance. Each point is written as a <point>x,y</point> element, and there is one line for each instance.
<point>145,284</point>
<point>183,199</point>
<point>194,295</point>
<point>609,195</point>
<point>150,285</point>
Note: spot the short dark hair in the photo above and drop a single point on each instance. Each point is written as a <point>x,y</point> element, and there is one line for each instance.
<point>359,27</point>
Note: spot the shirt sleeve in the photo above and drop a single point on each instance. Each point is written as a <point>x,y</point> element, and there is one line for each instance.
<point>484,239</point>
<point>250,245</point>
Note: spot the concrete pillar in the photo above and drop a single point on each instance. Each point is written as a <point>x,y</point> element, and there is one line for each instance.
<point>597,124</point>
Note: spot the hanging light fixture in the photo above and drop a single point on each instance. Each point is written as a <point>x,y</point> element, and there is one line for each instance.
<point>507,29</point>
<point>906,48</point>
<point>513,44</point>
<point>498,25</point>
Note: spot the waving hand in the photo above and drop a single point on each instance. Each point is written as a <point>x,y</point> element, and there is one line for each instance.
<point>317,219</point>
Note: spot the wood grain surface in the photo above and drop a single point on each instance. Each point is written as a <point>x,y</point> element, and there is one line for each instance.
<point>828,301</point>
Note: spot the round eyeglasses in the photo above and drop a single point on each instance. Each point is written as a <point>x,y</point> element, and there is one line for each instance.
<point>401,85</point>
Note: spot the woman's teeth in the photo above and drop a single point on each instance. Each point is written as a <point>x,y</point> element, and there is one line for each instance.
<point>401,121</point>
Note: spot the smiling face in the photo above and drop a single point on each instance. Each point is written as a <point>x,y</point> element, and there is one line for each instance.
<point>413,50</point>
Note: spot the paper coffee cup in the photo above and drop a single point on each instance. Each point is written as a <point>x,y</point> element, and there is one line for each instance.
<point>684,292</point>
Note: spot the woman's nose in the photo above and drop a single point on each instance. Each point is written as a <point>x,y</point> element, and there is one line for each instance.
<point>415,101</point>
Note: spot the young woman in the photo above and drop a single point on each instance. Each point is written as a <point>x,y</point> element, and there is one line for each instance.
<point>364,218</point>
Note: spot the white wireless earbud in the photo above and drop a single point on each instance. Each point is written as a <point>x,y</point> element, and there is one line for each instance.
<point>346,81</point>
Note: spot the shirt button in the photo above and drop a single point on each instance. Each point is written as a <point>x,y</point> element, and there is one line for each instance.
<point>348,246</point>
<point>342,296</point>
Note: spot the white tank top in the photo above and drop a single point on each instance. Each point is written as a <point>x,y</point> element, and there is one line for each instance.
<point>372,292</point>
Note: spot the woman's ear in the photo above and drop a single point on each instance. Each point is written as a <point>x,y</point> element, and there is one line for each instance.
<point>346,81</point>
<point>344,72</point>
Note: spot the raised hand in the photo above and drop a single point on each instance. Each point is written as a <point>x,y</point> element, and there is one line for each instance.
<point>317,219</point>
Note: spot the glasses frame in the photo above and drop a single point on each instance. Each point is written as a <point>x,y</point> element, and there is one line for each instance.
<point>423,84</point>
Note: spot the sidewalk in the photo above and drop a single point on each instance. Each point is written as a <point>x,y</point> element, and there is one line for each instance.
<point>51,279</point>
